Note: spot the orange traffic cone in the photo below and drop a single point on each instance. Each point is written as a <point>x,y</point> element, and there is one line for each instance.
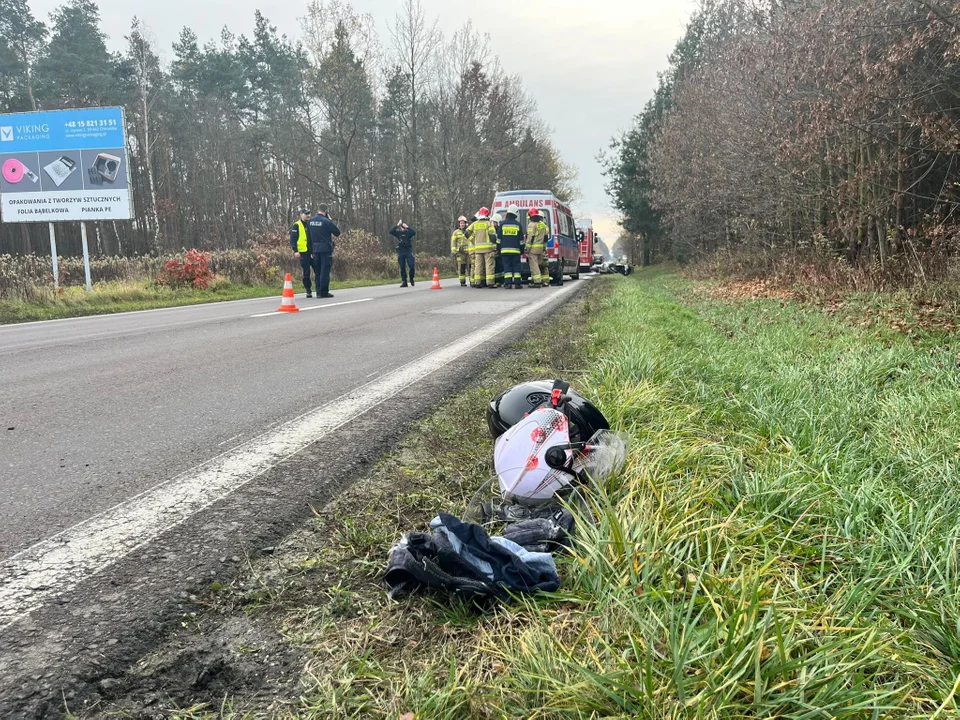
<point>436,280</point>
<point>287,304</point>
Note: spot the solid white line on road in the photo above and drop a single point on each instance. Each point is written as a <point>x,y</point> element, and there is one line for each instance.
<point>54,567</point>
<point>313,307</point>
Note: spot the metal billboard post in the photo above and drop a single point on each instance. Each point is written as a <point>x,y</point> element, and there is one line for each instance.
<point>53,257</point>
<point>86,255</point>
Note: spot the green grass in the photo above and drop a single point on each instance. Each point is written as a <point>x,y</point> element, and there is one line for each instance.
<point>118,297</point>
<point>782,543</point>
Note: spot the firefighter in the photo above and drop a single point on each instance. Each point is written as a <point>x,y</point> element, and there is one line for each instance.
<point>537,232</point>
<point>498,261</point>
<point>472,269</point>
<point>460,247</point>
<point>511,247</point>
<point>301,248</point>
<point>484,239</point>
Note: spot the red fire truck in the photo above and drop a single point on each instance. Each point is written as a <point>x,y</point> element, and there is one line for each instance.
<point>588,243</point>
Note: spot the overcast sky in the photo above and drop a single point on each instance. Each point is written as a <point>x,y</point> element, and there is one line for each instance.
<point>605,56</point>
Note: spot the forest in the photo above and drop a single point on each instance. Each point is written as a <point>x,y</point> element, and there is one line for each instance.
<point>234,133</point>
<point>786,130</point>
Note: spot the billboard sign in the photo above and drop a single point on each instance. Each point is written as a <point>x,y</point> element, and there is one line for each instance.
<point>64,165</point>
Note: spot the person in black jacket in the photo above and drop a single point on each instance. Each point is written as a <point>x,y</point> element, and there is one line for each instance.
<point>512,245</point>
<point>404,235</point>
<point>321,231</point>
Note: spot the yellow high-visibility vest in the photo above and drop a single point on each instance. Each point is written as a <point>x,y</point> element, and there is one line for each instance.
<point>302,239</point>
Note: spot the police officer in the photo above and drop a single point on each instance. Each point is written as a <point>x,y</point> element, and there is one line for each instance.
<point>484,238</point>
<point>460,247</point>
<point>320,231</point>
<point>537,232</point>
<point>301,247</point>
<point>404,234</point>
<point>511,246</point>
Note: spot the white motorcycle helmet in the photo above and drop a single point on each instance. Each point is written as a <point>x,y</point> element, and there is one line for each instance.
<point>534,460</point>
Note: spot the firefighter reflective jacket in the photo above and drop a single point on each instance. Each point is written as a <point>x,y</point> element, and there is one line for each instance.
<point>537,234</point>
<point>511,237</point>
<point>483,235</point>
<point>459,242</point>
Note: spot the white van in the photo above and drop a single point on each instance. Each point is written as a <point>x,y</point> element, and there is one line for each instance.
<point>563,250</point>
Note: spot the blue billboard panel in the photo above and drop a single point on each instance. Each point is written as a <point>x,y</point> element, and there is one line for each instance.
<point>64,165</point>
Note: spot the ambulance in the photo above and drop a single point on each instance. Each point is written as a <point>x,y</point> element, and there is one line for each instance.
<point>588,243</point>
<point>563,250</point>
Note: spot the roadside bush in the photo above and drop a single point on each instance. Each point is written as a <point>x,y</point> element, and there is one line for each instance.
<point>191,271</point>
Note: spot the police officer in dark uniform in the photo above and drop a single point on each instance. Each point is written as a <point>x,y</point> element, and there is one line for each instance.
<point>512,240</point>
<point>301,248</point>
<point>321,230</point>
<point>404,235</point>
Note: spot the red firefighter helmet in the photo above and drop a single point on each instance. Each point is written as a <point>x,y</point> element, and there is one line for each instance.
<point>483,213</point>
<point>535,212</point>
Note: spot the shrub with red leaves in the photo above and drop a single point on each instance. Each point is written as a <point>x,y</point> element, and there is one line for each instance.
<point>193,271</point>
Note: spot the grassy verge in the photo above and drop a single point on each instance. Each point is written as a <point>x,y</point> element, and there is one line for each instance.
<point>118,297</point>
<point>782,543</point>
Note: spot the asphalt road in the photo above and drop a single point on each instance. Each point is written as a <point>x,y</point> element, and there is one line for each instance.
<point>100,415</point>
<point>96,410</point>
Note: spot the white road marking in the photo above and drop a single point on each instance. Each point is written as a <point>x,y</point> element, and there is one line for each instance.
<point>54,567</point>
<point>345,302</point>
<point>312,307</point>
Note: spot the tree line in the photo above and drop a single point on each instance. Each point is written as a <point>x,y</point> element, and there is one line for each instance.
<point>791,125</point>
<point>231,136</point>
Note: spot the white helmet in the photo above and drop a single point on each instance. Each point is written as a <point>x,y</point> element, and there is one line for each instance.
<point>513,210</point>
<point>533,459</point>
<point>497,217</point>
